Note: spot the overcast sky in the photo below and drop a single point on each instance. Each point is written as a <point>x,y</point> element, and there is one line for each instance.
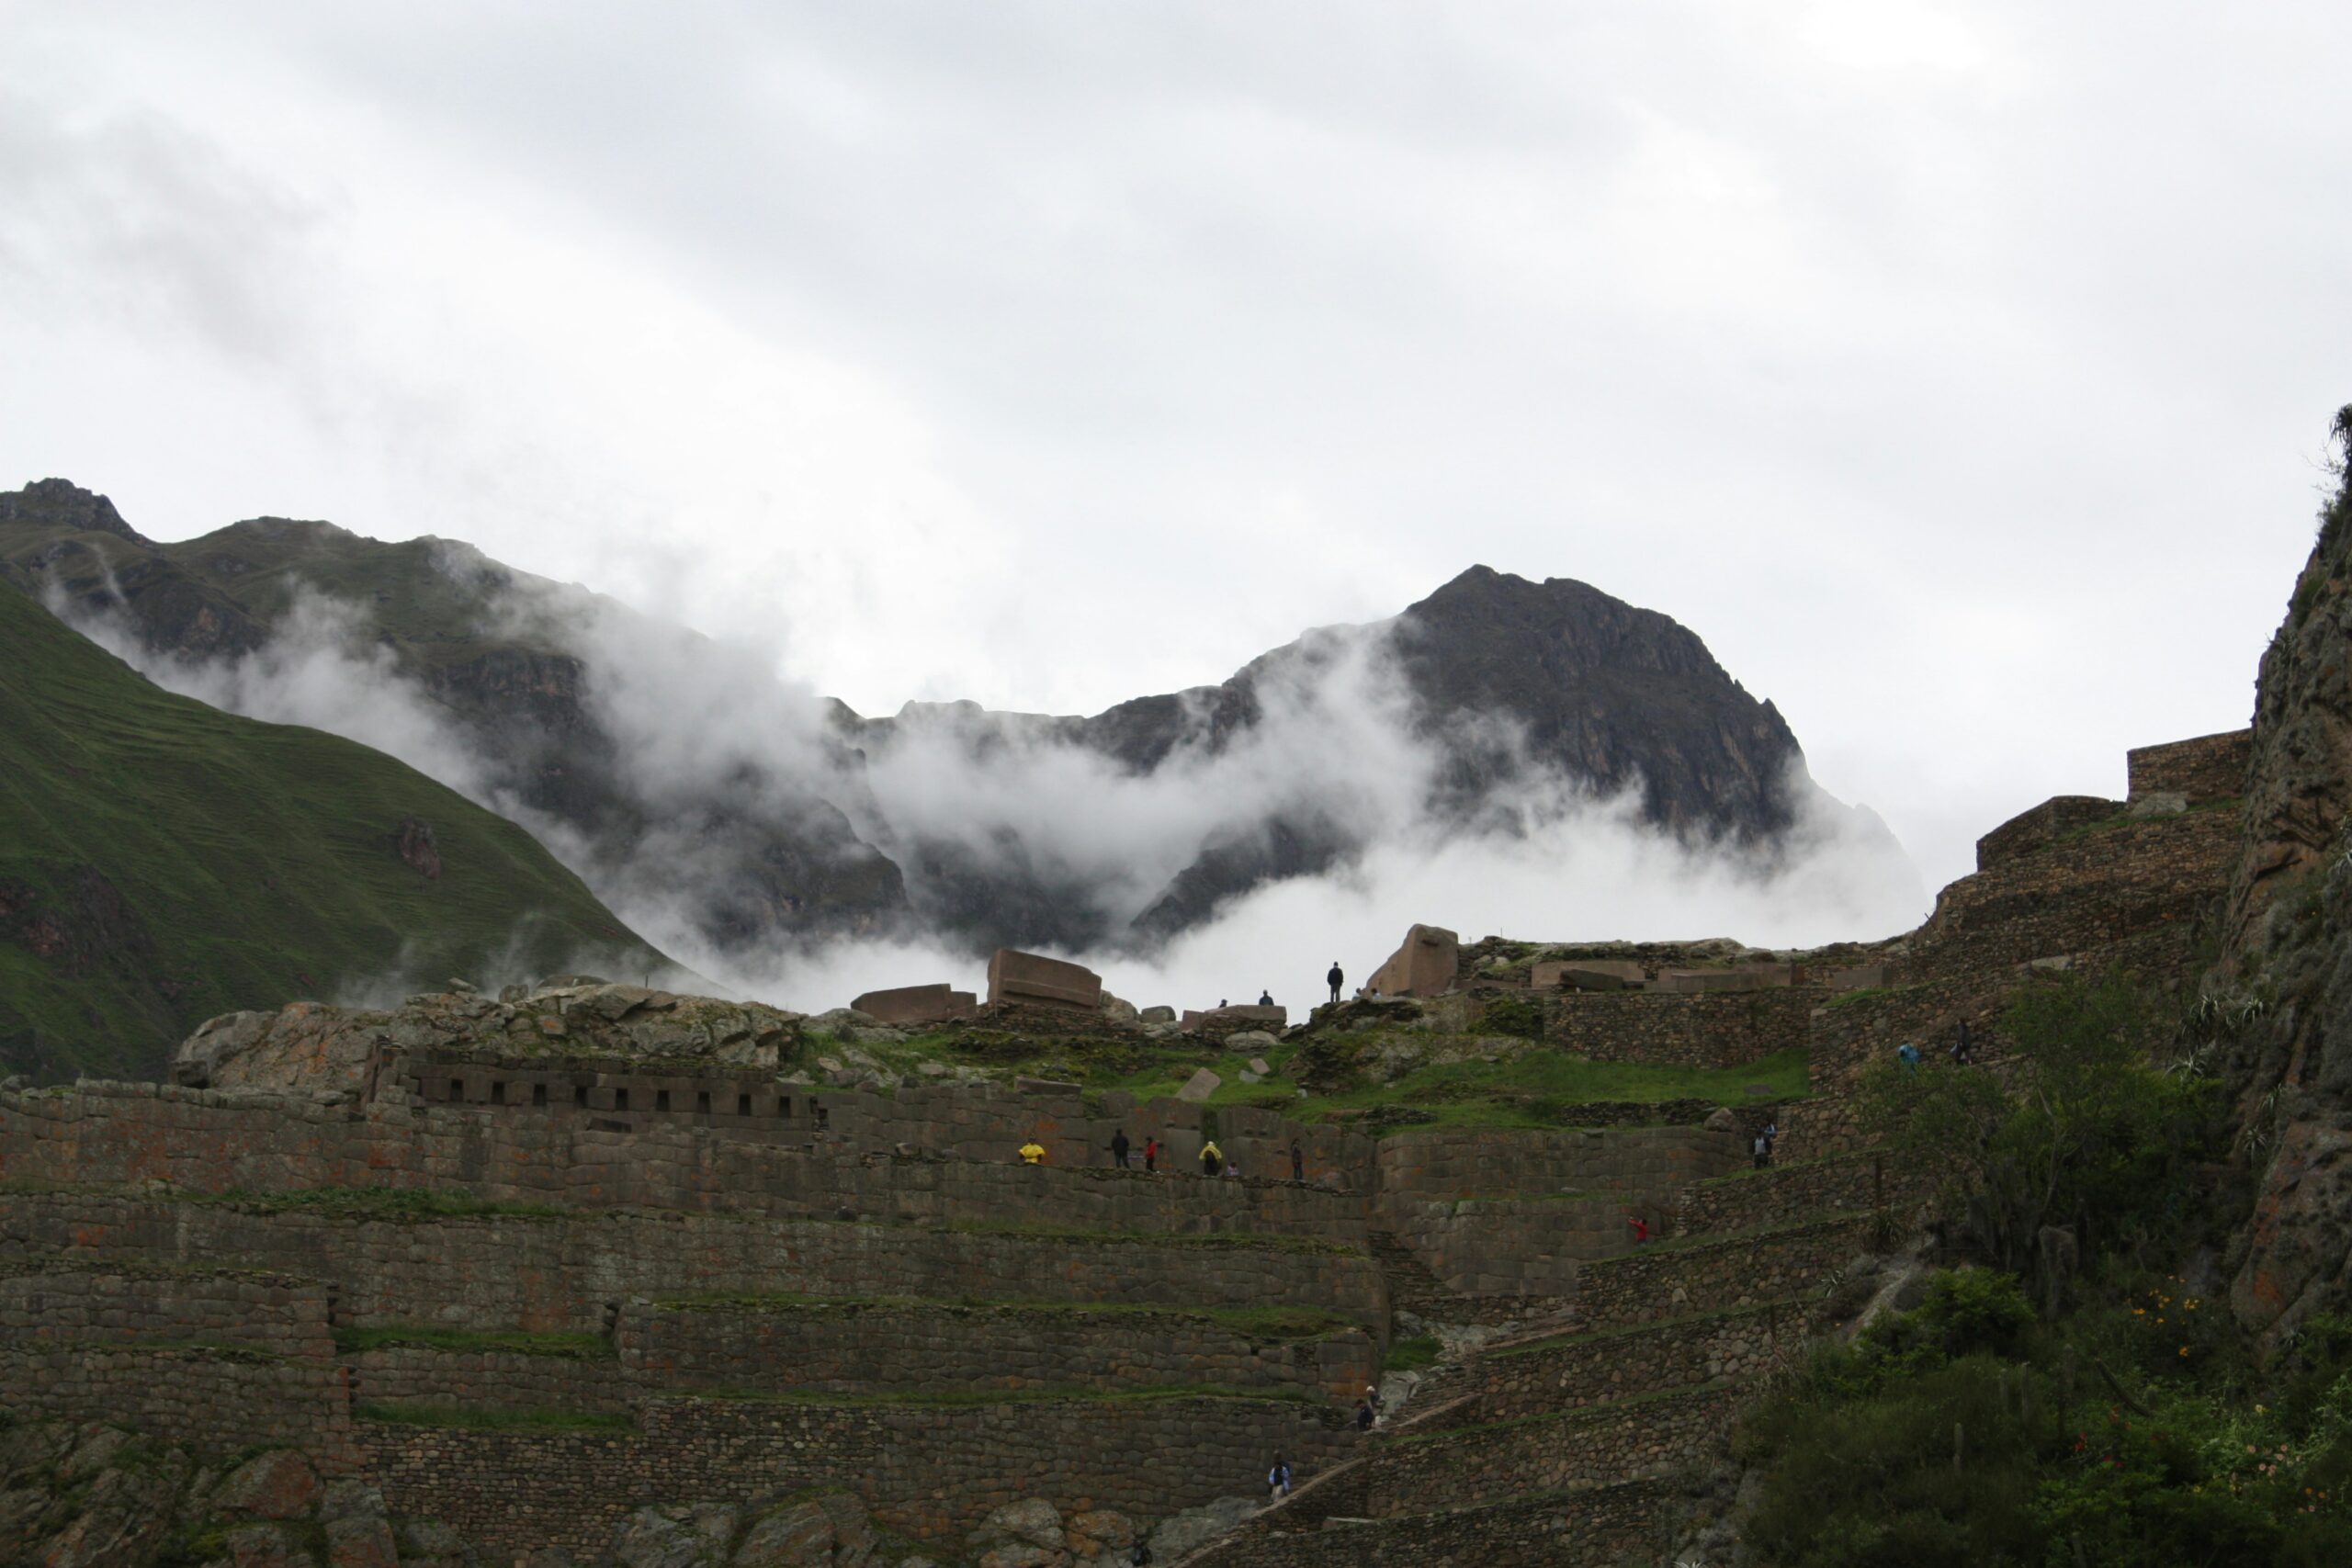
<point>1959,373</point>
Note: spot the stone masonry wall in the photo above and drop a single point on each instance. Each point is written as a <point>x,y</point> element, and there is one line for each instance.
<point>59,1300</point>
<point>1706,1029</point>
<point>563,1272</point>
<point>1574,1371</point>
<point>1511,1246</point>
<point>1621,1441</point>
<point>214,1399</point>
<point>490,1380</point>
<point>1656,1283</point>
<point>1601,1528</point>
<point>929,1471</point>
<point>852,1346</point>
<point>213,1141</point>
<point>2031,829</point>
<point>2212,767</point>
<point>1778,1195</point>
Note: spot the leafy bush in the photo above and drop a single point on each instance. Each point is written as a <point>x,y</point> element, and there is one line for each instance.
<point>1519,1016</point>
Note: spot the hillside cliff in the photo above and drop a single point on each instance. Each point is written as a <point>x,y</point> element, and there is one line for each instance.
<point>2288,949</point>
<point>161,862</point>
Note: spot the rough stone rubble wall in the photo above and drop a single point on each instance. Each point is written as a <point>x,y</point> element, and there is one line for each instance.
<point>563,1273</point>
<point>1602,1527</point>
<point>929,1471</point>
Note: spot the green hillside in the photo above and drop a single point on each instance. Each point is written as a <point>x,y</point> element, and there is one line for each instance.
<point>161,862</point>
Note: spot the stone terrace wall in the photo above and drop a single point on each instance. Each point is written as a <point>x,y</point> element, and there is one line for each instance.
<point>212,1141</point>
<point>1512,1247</point>
<point>491,1380</point>
<point>1706,1029</point>
<point>1575,1371</point>
<point>1468,1466</point>
<point>214,1399</point>
<point>1656,1283</point>
<point>2212,767</point>
<point>1602,1527</point>
<point>873,1345</point>
<point>929,1471</point>
<point>1778,1195</point>
<point>57,1299</point>
<point>1460,1162</point>
<point>2030,831</point>
<point>561,1272</point>
<point>2081,895</point>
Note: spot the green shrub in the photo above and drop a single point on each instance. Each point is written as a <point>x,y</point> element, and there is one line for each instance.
<point>1410,1354</point>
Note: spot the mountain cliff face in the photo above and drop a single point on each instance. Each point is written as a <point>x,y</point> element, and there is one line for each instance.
<point>1491,694</point>
<point>2288,949</point>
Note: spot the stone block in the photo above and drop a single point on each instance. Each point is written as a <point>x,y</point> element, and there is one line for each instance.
<point>917,1004</point>
<point>1861,978</point>
<point>1028,976</point>
<point>1424,966</point>
<point>1199,1086</point>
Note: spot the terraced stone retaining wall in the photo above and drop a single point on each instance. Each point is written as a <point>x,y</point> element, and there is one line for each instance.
<point>568,1272</point>
<point>851,1346</point>
<point>1781,1194</point>
<point>1621,1441</point>
<point>213,1141</point>
<point>928,1471</point>
<point>64,1301</point>
<point>1656,1283</point>
<point>1576,1370</point>
<point>215,1400</point>
<point>1705,1029</point>
<point>1601,1528</point>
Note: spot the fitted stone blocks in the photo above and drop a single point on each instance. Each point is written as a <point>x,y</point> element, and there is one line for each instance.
<point>1015,976</point>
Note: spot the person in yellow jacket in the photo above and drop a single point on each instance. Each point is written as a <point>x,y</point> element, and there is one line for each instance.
<point>1032,1153</point>
<point>1212,1159</point>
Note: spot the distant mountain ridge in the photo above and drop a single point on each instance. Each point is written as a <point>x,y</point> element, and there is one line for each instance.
<point>1503,683</point>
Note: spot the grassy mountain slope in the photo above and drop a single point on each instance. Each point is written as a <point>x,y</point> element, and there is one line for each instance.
<point>161,862</point>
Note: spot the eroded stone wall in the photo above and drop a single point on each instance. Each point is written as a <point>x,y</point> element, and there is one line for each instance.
<point>1706,1029</point>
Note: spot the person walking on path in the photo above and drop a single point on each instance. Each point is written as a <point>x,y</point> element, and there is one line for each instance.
<point>1297,1162</point>
<point>1372,1398</point>
<point>1771,1135</point>
<point>1335,978</point>
<point>1763,1151</point>
<point>1152,1154</point>
<point>1032,1153</point>
<point>1278,1479</point>
<point>1364,1417</point>
<point>1119,1146</point>
<point>1909,1054</point>
<point>1212,1159</point>
<point>1641,1228</point>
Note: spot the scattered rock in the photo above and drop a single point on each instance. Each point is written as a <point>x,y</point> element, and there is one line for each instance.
<point>659,1537</point>
<point>1259,1066</point>
<point>280,1484</point>
<point>1030,1522</point>
<point>1199,1086</point>
<point>1179,1533</point>
<point>1249,1040</point>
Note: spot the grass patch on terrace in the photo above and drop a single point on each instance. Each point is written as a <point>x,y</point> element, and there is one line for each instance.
<point>1413,1353</point>
<point>571,1347</point>
<point>1223,1241</point>
<point>450,1415</point>
<point>1157,1394</point>
<point>1276,1324</point>
<point>1540,1087</point>
<point>370,1203</point>
<point>1600,1409</point>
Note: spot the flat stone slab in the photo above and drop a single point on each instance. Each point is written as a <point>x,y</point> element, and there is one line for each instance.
<point>1199,1086</point>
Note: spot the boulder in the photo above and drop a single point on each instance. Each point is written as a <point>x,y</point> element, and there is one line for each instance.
<point>1199,1086</point>
<point>1097,1530</point>
<point>280,1484</point>
<point>1157,1015</point>
<point>1423,966</point>
<point>266,1546</point>
<point>1029,976</point>
<point>361,1542</point>
<point>1249,1040</point>
<point>1179,1533</point>
<point>1030,1522</point>
<point>121,1517</point>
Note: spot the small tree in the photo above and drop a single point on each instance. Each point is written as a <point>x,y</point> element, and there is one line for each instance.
<point>2083,1133</point>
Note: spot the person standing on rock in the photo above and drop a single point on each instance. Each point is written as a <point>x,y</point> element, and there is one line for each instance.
<point>1297,1162</point>
<point>1265,999</point>
<point>1278,1479</point>
<point>1150,1153</point>
<point>1763,1151</point>
<point>1032,1153</point>
<point>1212,1159</point>
<point>1335,978</point>
<point>1119,1146</point>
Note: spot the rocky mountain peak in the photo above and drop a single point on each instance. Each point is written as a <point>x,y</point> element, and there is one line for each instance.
<point>61,503</point>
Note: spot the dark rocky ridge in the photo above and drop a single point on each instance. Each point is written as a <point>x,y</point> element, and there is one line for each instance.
<point>1586,688</point>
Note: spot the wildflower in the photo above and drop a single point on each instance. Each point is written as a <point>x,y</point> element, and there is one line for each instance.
<point>2184,1350</point>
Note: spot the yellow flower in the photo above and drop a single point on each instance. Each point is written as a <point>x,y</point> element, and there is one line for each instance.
<point>2184,1350</point>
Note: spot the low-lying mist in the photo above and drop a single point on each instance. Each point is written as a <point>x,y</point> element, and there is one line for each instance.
<point>695,725</point>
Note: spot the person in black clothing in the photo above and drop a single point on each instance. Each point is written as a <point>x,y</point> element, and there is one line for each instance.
<point>1297,1162</point>
<point>1278,1478</point>
<point>1336,979</point>
<point>1142,1555</point>
<point>1963,1050</point>
<point>1119,1146</point>
<point>1365,1417</point>
<point>1265,999</point>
